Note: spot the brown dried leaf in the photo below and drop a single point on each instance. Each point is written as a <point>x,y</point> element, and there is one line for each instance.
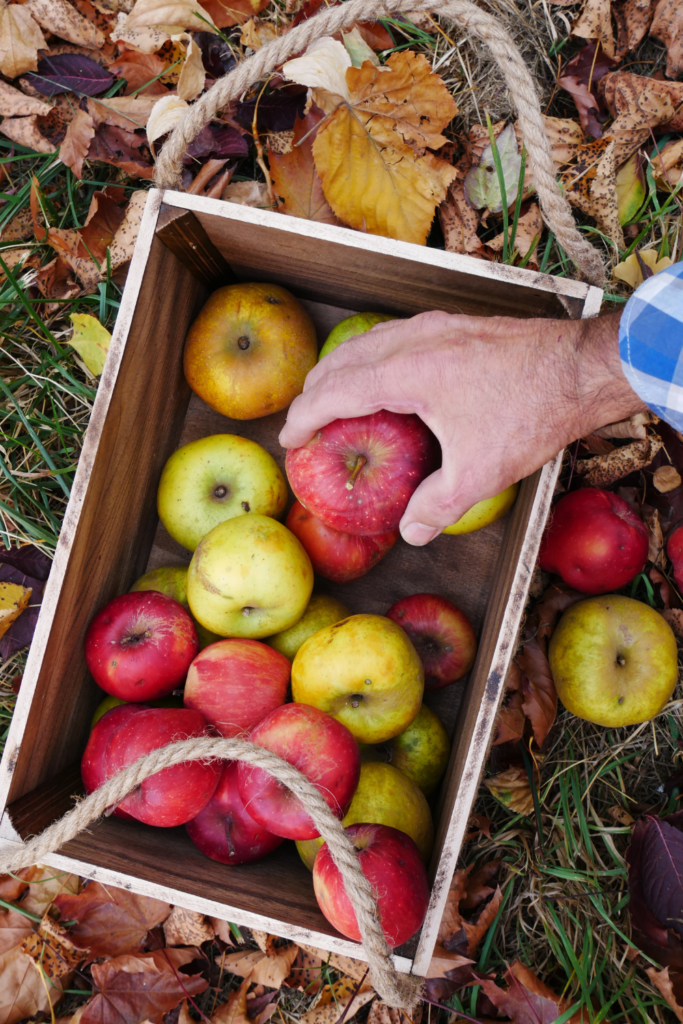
<point>20,40</point>
<point>226,13</point>
<point>459,222</point>
<point>510,719</point>
<point>346,995</point>
<point>26,131</point>
<point>52,949</point>
<point>638,103</point>
<point>346,964</point>
<point>111,921</point>
<point>666,478</point>
<point>621,816</point>
<point>192,74</point>
<point>45,885</point>
<point>295,179</point>
<point>123,242</point>
<point>595,22</point>
<point>511,788</point>
<point>674,616</point>
<point>634,427</point>
<point>23,992</point>
<point>527,1000</point>
<point>76,144</point>
<point>139,69</point>
<point>187,928</point>
<point>14,103</point>
<point>235,1010</point>
<point>456,933</point>
<point>633,20</point>
<point>14,928</point>
<point>129,112</point>
<point>172,16</point>
<point>380,1013</point>
<point>538,688</point>
<point>662,982</point>
<point>142,40</point>
<point>137,989</point>
<point>655,553</point>
<point>529,228</point>
<point>600,198</point>
<point>125,150</point>
<point>603,470</point>
<point>667,167</point>
<point>246,193</point>
<point>305,973</point>
<point>18,229</point>
<point>667,26</point>
<point>479,824</point>
<point>203,184</point>
<point>261,968</point>
<point>63,20</point>
<point>256,33</point>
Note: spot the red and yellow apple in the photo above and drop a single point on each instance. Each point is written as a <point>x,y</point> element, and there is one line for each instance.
<point>340,557</point>
<point>441,634</point>
<point>321,611</point>
<point>171,580</point>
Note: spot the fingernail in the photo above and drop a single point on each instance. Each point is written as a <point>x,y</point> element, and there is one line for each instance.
<point>419,534</point>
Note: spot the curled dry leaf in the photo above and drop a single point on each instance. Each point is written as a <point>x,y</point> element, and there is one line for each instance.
<point>52,949</point>
<point>595,22</point>
<point>140,70</point>
<point>458,934</point>
<point>511,789</point>
<point>655,553</point>
<point>667,166</point>
<point>46,885</point>
<point>666,478</point>
<point>20,40</point>
<point>631,272</point>
<point>357,48</point>
<point>662,982</point>
<point>634,427</point>
<point>226,13</point>
<point>622,817</point>
<point>256,33</point>
<point>667,26</point>
<point>510,719</point>
<point>187,928</point>
<point>295,179</point>
<point>141,40</point>
<point>603,470</point>
<point>323,66</point>
<point>207,184</point>
<point>55,281</point>
<point>380,1013</point>
<point>601,201</point>
<point>459,222</point>
<point>580,77</point>
<point>165,115</point>
<point>14,103</point>
<point>63,20</point>
<point>123,242</point>
<point>129,112</point>
<point>192,75</point>
<point>19,228</point>
<point>171,16</point>
<point>76,144</point>
<point>346,964</point>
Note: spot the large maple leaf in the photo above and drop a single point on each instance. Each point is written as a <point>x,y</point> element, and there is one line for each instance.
<point>111,921</point>
<point>130,991</point>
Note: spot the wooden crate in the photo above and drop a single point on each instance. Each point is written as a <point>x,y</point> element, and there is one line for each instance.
<point>186,247</point>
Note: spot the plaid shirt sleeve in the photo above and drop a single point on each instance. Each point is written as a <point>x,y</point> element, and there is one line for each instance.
<point>651,343</point>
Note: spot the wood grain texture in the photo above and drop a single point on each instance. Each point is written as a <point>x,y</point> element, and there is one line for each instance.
<point>182,233</point>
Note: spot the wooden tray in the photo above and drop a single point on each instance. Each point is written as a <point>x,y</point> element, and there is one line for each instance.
<point>186,247</point>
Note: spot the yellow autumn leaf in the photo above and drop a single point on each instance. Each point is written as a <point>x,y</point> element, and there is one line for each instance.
<point>13,599</point>
<point>20,40</point>
<point>370,153</point>
<point>192,75</point>
<point>91,341</point>
<point>630,272</point>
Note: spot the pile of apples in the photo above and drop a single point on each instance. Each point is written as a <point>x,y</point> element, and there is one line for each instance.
<point>237,644</point>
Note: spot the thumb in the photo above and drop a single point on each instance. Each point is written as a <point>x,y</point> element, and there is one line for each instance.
<point>436,504</point>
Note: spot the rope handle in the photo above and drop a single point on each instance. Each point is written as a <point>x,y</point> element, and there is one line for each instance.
<point>555,208</point>
<point>398,990</point>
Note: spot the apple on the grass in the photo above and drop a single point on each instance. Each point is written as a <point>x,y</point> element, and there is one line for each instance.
<point>614,660</point>
<point>249,350</point>
<point>225,831</point>
<point>217,478</point>
<point>391,862</point>
<point>322,610</point>
<point>140,646</point>
<point>337,556</point>
<point>357,475</point>
<point>170,797</point>
<point>594,541</point>
<point>171,580</point>
<point>441,634</point>
<point>235,683</point>
<point>321,748</point>
<point>365,672</point>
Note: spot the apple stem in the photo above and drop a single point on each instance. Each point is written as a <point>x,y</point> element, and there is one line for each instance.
<point>360,462</point>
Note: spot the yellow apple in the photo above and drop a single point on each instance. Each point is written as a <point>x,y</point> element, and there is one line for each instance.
<point>365,672</point>
<point>217,478</point>
<point>422,751</point>
<point>359,323</point>
<point>384,796</point>
<point>249,577</point>
<point>614,660</point>
<point>321,611</point>
<point>172,581</point>
<point>485,512</point>
<point>249,350</point>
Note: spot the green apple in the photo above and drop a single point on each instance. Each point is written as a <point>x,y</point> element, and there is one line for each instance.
<point>614,660</point>
<point>110,702</point>
<point>217,478</point>
<point>422,751</point>
<point>485,512</point>
<point>249,577</point>
<point>365,672</point>
<point>321,611</point>
<point>359,323</point>
<point>384,797</point>
<point>172,581</point>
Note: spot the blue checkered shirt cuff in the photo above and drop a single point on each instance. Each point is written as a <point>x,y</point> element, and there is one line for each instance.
<point>651,343</point>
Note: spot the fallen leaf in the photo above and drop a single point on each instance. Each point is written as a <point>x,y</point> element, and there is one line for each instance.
<point>140,40</point>
<point>595,22</point>
<point>246,193</point>
<point>631,188</point>
<point>256,33</point>
<point>479,825</point>
<point>126,150</point>
<point>458,934</point>
<point>235,1010</point>
<point>165,115</point>
<point>667,166</point>
<point>14,886</point>
<point>662,982</point>
<point>140,71</point>
<point>13,600</point>
<point>261,968</point>
<point>20,40</point>
<point>527,236</point>
<point>20,631</point>
<point>667,26</point>
<point>91,341</point>
<point>510,719</point>
<point>226,13</point>
<point>127,995</point>
<point>55,281</point>
<point>346,964</point>
<point>511,789</point>
<point>603,470</point>
<point>209,182</point>
<point>346,995</point>
<point>634,427</point>
<point>666,478</point>
<point>527,1000</point>
<point>482,186</point>
<point>192,74</point>
<point>215,142</point>
<point>14,928</point>
<point>621,816</point>
<point>129,112</point>
<point>45,885</point>
<point>357,49</point>
<point>26,131</point>
<point>638,104</point>
<point>295,179</point>
<point>76,144</point>
<point>630,270</point>
<point>111,921</point>
<point>63,20</point>
<point>655,859</point>
<point>277,111</point>
<point>601,200</point>
<point>70,72</point>
<point>187,928</point>
<point>380,1013</point>
<point>23,992</point>
<point>123,242</point>
<point>655,552</point>
<point>305,973</point>
<point>323,66</point>
<point>580,78</point>
<point>674,616</point>
<point>14,103</point>
<point>19,228</point>
<point>540,696</point>
<point>52,949</point>
<point>171,16</point>
<point>633,19</point>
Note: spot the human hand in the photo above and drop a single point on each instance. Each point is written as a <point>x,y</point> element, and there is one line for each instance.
<point>502,396</point>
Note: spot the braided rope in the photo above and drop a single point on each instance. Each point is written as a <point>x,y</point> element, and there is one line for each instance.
<point>555,208</point>
<point>398,990</point>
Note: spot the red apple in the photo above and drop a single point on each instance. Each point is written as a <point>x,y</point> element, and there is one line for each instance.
<point>140,646</point>
<point>391,862</point>
<point>441,634</point>
<point>674,549</point>
<point>594,541</point>
<point>235,683</point>
<point>171,796</point>
<point>224,831</point>
<point>321,748</point>
<point>340,557</point>
<point>357,475</point>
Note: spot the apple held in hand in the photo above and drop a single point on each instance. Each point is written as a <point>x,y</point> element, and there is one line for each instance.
<point>363,671</point>
<point>217,478</point>
<point>357,475</point>
<point>391,862</point>
<point>236,683</point>
<point>249,577</point>
<point>485,512</point>
<point>441,634</point>
<point>173,795</point>
<point>249,350</point>
<point>321,611</point>
<point>139,646</point>
<point>422,751</point>
<point>351,327</point>
<point>171,580</point>
<point>594,541</point>
<point>340,557</point>
<point>614,660</point>
<point>318,746</point>
<point>224,831</point>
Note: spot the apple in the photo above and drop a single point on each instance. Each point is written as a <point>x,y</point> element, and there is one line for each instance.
<point>614,660</point>
<point>217,478</point>
<point>249,577</point>
<point>386,797</point>
<point>321,748</point>
<point>352,326</point>
<point>340,557</point>
<point>441,634</point>
<point>422,751</point>
<point>224,831</point>
<point>140,646</point>
<point>674,550</point>
<point>365,672</point>
<point>321,611</point>
<point>113,702</point>
<point>249,350</point>
<point>170,797</point>
<point>485,512</point>
<point>594,541</point>
<point>236,683</point>
<point>172,581</point>
<point>391,862</point>
<point>358,475</point>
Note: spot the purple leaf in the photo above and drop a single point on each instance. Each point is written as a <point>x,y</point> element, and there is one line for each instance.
<point>216,142</point>
<point>217,56</point>
<point>277,111</point>
<point>70,72</point>
<point>582,71</point>
<point>20,633</point>
<point>655,856</point>
<point>28,559</point>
